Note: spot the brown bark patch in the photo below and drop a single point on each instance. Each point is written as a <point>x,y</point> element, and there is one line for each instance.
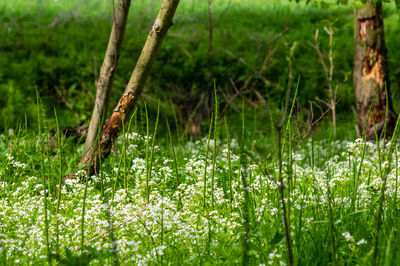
<point>373,67</point>
<point>372,63</point>
<point>113,125</point>
<point>124,104</point>
<point>365,25</point>
<point>377,116</point>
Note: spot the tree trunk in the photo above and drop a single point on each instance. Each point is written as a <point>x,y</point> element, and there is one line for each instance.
<point>371,72</point>
<point>135,86</point>
<point>108,68</point>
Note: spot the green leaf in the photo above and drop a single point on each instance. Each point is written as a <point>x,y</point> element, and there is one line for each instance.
<point>324,5</point>
<point>358,4</point>
<point>294,48</point>
<point>320,222</point>
<point>277,239</point>
<point>68,252</point>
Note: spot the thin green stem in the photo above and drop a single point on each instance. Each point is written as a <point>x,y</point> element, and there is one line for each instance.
<point>60,151</point>
<point>44,179</point>
<point>152,152</point>
<point>229,164</point>
<point>205,162</point>
<point>215,144</point>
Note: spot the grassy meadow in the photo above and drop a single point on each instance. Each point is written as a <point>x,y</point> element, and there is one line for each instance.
<point>215,200</point>
<point>243,190</point>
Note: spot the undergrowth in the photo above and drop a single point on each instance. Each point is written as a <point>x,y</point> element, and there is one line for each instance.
<point>216,200</point>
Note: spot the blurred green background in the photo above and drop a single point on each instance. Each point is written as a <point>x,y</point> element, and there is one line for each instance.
<point>57,46</point>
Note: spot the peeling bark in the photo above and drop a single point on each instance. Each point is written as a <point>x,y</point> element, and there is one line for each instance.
<point>371,72</point>
<point>127,102</point>
<point>108,68</point>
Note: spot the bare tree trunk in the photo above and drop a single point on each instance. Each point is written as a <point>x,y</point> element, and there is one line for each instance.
<point>135,86</point>
<point>332,91</point>
<point>108,68</point>
<point>371,72</point>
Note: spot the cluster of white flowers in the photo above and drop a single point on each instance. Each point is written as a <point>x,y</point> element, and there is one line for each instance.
<point>14,163</point>
<point>158,212</point>
<point>347,236</point>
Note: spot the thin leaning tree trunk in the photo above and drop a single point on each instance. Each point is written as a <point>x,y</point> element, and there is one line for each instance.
<point>108,68</point>
<point>134,88</point>
<point>371,72</point>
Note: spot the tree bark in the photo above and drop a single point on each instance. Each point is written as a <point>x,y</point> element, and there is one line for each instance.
<point>133,90</point>
<point>108,68</point>
<point>371,75</point>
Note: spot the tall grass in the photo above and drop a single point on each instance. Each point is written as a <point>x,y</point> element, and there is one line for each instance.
<point>181,224</point>
<point>45,179</point>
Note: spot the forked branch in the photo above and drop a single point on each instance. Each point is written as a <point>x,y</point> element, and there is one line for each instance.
<point>113,126</point>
